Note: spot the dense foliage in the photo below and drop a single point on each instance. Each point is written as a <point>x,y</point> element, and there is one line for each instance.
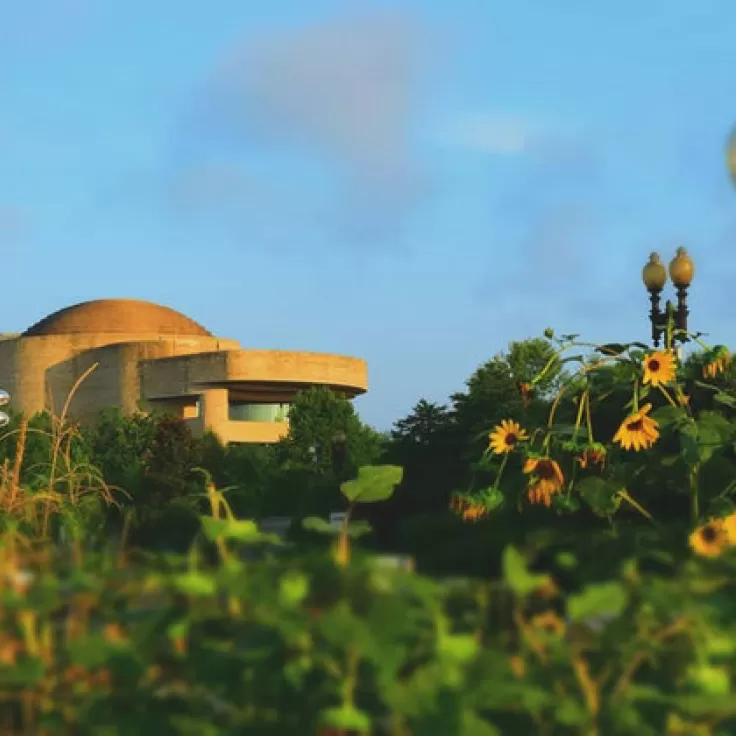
<point>576,575</point>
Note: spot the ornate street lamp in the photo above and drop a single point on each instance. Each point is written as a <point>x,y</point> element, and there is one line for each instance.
<point>654,275</point>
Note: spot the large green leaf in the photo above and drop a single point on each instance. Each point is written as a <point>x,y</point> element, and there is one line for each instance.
<point>597,599</point>
<point>243,530</point>
<point>345,718</point>
<point>600,494</point>
<point>374,483</point>
<point>517,575</point>
<point>355,528</point>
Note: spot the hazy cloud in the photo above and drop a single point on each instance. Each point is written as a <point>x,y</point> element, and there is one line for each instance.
<point>553,255</point>
<point>14,226</point>
<point>504,134</point>
<point>490,134</point>
<point>343,92</point>
<point>42,22</point>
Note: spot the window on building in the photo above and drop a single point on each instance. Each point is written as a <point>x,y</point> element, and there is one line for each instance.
<point>258,412</point>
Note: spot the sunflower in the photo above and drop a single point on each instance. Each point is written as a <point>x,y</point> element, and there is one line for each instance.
<point>549,622</point>
<point>468,508</point>
<point>546,479</point>
<point>717,362</point>
<point>659,368</point>
<point>594,454</point>
<point>710,539</point>
<point>527,392</point>
<point>506,436</point>
<point>637,431</point>
<point>729,526</point>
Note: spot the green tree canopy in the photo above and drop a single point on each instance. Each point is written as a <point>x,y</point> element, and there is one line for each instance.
<point>326,433</point>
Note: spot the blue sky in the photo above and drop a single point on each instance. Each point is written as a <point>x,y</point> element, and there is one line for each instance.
<point>414,183</point>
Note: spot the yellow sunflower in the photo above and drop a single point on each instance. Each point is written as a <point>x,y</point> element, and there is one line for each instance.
<point>729,526</point>
<point>549,622</point>
<point>546,479</point>
<point>710,539</point>
<point>637,431</point>
<point>717,362</point>
<point>506,436</point>
<point>594,454</point>
<point>659,368</point>
<point>468,508</point>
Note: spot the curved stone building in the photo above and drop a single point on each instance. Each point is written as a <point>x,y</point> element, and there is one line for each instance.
<point>144,356</point>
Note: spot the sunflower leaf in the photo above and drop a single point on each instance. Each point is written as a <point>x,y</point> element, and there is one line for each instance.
<point>667,415</point>
<point>517,575</point>
<point>612,348</point>
<point>726,399</point>
<point>601,495</point>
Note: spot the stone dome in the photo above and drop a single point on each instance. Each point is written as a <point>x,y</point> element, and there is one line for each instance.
<point>117,316</point>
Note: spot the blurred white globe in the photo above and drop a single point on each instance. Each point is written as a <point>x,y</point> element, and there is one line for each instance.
<point>731,155</point>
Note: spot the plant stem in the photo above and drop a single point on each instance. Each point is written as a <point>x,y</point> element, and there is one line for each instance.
<point>694,501</point>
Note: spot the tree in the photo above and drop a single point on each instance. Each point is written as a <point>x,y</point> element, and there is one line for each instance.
<point>326,434</point>
<point>118,444</point>
<point>494,392</point>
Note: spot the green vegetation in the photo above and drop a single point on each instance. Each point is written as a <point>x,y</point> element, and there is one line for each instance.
<point>570,515</point>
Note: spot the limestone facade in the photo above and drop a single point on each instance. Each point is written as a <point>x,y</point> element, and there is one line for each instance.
<point>140,356</point>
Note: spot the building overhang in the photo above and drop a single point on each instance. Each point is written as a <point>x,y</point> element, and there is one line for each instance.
<point>267,375</point>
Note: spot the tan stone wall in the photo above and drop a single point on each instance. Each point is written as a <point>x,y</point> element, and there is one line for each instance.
<point>137,371</point>
<point>8,357</point>
<point>181,375</point>
<point>47,366</point>
<point>245,432</point>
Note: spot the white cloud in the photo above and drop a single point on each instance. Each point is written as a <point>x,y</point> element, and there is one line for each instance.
<point>345,92</point>
<point>490,134</point>
<point>14,225</point>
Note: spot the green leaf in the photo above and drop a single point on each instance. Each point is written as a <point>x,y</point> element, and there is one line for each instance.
<point>566,560</point>
<point>597,599</point>
<point>491,497</point>
<point>566,503</point>
<point>26,672</point>
<point>667,415</point>
<point>517,575</point>
<point>601,495</point>
<point>474,725</point>
<point>726,399</point>
<point>293,588</point>
<point>571,713</point>
<point>319,525</point>
<point>460,648</point>
<point>345,718</point>
<point>355,528</point>
<point>612,348</point>
<point>374,483</point>
<point>690,449</point>
<point>359,528</point>
<point>195,583</point>
<point>243,530</point>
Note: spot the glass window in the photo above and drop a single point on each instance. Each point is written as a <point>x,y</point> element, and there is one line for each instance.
<point>258,412</point>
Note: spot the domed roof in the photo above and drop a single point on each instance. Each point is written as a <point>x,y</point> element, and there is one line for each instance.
<point>117,316</point>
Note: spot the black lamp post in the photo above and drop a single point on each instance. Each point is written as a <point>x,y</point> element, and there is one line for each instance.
<point>654,275</point>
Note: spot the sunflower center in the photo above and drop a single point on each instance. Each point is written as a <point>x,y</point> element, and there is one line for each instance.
<point>545,470</point>
<point>709,534</point>
<point>511,439</point>
<point>635,426</point>
<point>654,365</point>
